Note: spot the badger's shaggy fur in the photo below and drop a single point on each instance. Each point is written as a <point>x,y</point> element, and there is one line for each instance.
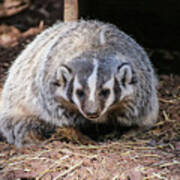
<point>76,71</point>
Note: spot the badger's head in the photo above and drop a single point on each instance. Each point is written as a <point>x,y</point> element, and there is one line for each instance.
<point>94,86</point>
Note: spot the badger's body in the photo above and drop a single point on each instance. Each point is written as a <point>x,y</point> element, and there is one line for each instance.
<point>77,71</point>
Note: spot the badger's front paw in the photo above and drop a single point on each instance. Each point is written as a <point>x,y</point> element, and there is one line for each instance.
<point>20,135</point>
<point>73,135</point>
<point>31,137</point>
<point>26,131</point>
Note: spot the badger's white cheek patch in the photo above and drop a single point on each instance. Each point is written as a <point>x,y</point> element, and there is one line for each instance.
<point>92,81</point>
<point>126,91</point>
<point>76,86</point>
<point>109,85</point>
<point>60,92</point>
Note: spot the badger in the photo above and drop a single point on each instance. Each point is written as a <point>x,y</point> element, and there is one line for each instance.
<point>76,72</point>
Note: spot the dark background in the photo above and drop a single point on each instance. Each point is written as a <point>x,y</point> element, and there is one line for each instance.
<point>154,23</point>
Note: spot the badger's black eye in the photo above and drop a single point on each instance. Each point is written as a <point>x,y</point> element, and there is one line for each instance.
<point>56,83</point>
<point>80,93</point>
<point>105,93</point>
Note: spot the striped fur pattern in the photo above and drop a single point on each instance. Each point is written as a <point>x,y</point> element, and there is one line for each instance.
<point>76,71</point>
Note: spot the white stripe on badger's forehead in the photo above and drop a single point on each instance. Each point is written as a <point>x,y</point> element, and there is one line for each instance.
<point>92,81</point>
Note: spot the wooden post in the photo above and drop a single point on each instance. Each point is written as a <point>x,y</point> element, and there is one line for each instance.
<point>70,10</point>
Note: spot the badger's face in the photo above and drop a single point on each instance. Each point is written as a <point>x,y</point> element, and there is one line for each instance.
<point>94,86</point>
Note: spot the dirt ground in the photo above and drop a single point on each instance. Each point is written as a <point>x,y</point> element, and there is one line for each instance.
<point>152,155</point>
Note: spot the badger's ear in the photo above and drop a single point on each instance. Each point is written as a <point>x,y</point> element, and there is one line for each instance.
<point>64,75</point>
<point>124,74</point>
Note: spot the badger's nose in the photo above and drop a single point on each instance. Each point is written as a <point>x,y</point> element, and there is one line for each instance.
<point>92,114</point>
<point>91,110</point>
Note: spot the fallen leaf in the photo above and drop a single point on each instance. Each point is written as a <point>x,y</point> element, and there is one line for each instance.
<point>11,7</point>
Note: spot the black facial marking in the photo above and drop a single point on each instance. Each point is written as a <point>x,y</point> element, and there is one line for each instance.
<point>82,103</point>
<point>117,91</point>
<point>80,93</point>
<point>102,103</point>
<point>70,90</point>
<point>104,93</point>
<point>123,64</point>
<point>124,79</point>
<point>64,80</point>
<point>56,83</point>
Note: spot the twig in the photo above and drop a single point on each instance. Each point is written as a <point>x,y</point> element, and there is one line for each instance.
<point>68,171</point>
<point>59,162</point>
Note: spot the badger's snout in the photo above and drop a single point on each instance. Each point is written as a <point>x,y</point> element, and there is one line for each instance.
<point>91,110</point>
